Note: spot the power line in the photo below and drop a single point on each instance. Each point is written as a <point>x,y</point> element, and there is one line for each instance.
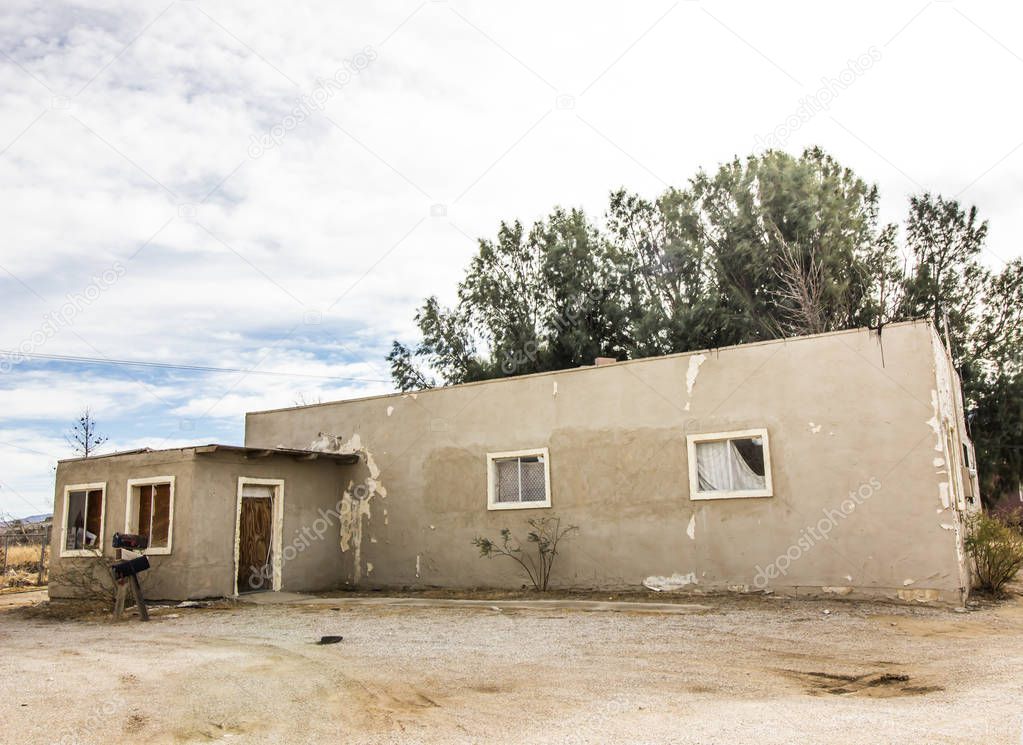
<point>27,450</point>
<point>171,366</point>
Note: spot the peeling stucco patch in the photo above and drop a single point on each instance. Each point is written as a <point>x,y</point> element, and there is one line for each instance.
<point>356,499</point>
<point>908,582</point>
<point>390,410</point>
<point>555,388</point>
<point>943,495</point>
<point>694,370</point>
<point>919,596</point>
<point>815,428</point>
<point>938,462</point>
<point>691,528</point>
<point>833,590</point>
<point>354,507</point>
<point>674,582</point>
<point>935,421</point>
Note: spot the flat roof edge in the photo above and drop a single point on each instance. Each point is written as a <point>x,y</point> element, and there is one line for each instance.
<point>212,448</point>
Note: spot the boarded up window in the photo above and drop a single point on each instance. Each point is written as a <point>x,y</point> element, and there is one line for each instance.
<point>154,513</point>
<point>84,519</point>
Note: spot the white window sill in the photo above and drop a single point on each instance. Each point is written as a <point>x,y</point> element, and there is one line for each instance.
<point>758,494</point>
<point>81,553</point>
<point>519,505</point>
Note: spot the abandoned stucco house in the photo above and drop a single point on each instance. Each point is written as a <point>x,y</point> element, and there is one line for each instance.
<point>836,463</point>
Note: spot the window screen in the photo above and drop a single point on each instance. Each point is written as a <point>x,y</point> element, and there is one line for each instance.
<point>521,479</point>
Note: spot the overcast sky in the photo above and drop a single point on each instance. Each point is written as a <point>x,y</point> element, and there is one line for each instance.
<point>276,186</point>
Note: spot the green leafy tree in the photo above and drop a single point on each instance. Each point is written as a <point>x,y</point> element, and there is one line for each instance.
<point>530,301</point>
<point>997,428</point>
<point>797,244</point>
<point>671,298</point>
<point>946,243</point>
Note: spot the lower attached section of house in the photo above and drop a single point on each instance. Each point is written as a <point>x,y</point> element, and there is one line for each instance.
<point>836,464</point>
<point>217,520</point>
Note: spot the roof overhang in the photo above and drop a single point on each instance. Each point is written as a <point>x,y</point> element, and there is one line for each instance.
<point>301,455</point>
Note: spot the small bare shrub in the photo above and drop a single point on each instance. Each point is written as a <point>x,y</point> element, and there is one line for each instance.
<point>88,579</point>
<point>545,534</point>
<point>996,546</point>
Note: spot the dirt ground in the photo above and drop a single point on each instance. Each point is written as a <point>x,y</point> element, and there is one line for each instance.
<point>711,670</point>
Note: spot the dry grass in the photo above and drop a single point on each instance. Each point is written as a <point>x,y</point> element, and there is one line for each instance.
<point>23,557</point>
<point>22,566</point>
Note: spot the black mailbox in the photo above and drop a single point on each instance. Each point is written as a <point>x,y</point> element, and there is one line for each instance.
<point>130,568</point>
<point>130,541</point>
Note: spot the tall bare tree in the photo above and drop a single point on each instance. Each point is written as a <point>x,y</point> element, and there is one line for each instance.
<point>84,438</point>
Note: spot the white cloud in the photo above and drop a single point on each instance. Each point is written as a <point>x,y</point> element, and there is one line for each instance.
<point>128,128</point>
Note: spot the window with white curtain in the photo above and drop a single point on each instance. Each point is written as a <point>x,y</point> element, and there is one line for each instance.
<point>518,479</point>
<point>725,465</point>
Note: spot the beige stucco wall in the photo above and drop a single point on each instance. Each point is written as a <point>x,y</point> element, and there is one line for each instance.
<point>201,562</point>
<point>169,573</point>
<point>846,413</point>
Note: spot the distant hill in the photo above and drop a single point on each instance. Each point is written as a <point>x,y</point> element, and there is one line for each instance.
<point>37,518</point>
<point>30,520</point>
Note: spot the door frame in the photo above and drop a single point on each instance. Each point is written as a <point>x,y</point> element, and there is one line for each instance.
<point>276,529</point>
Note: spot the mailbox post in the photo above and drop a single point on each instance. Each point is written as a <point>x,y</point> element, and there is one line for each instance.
<point>127,572</point>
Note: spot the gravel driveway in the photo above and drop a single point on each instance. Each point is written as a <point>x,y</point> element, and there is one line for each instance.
<point>725,670</point>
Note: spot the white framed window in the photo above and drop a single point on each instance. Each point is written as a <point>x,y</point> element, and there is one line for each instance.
<point>729,465</point>
<point>84,513</point>
<point>519,479</point>
<point>150,512</point>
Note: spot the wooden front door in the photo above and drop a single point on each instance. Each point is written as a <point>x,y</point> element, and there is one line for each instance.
<point>255,544</point>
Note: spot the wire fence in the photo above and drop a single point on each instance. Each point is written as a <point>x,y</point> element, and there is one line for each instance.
<point>24,558</point>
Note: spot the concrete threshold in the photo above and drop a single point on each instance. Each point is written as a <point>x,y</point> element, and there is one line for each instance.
<point>294,598</point>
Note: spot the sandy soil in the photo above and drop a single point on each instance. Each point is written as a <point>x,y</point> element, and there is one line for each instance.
<point>735,670</point>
